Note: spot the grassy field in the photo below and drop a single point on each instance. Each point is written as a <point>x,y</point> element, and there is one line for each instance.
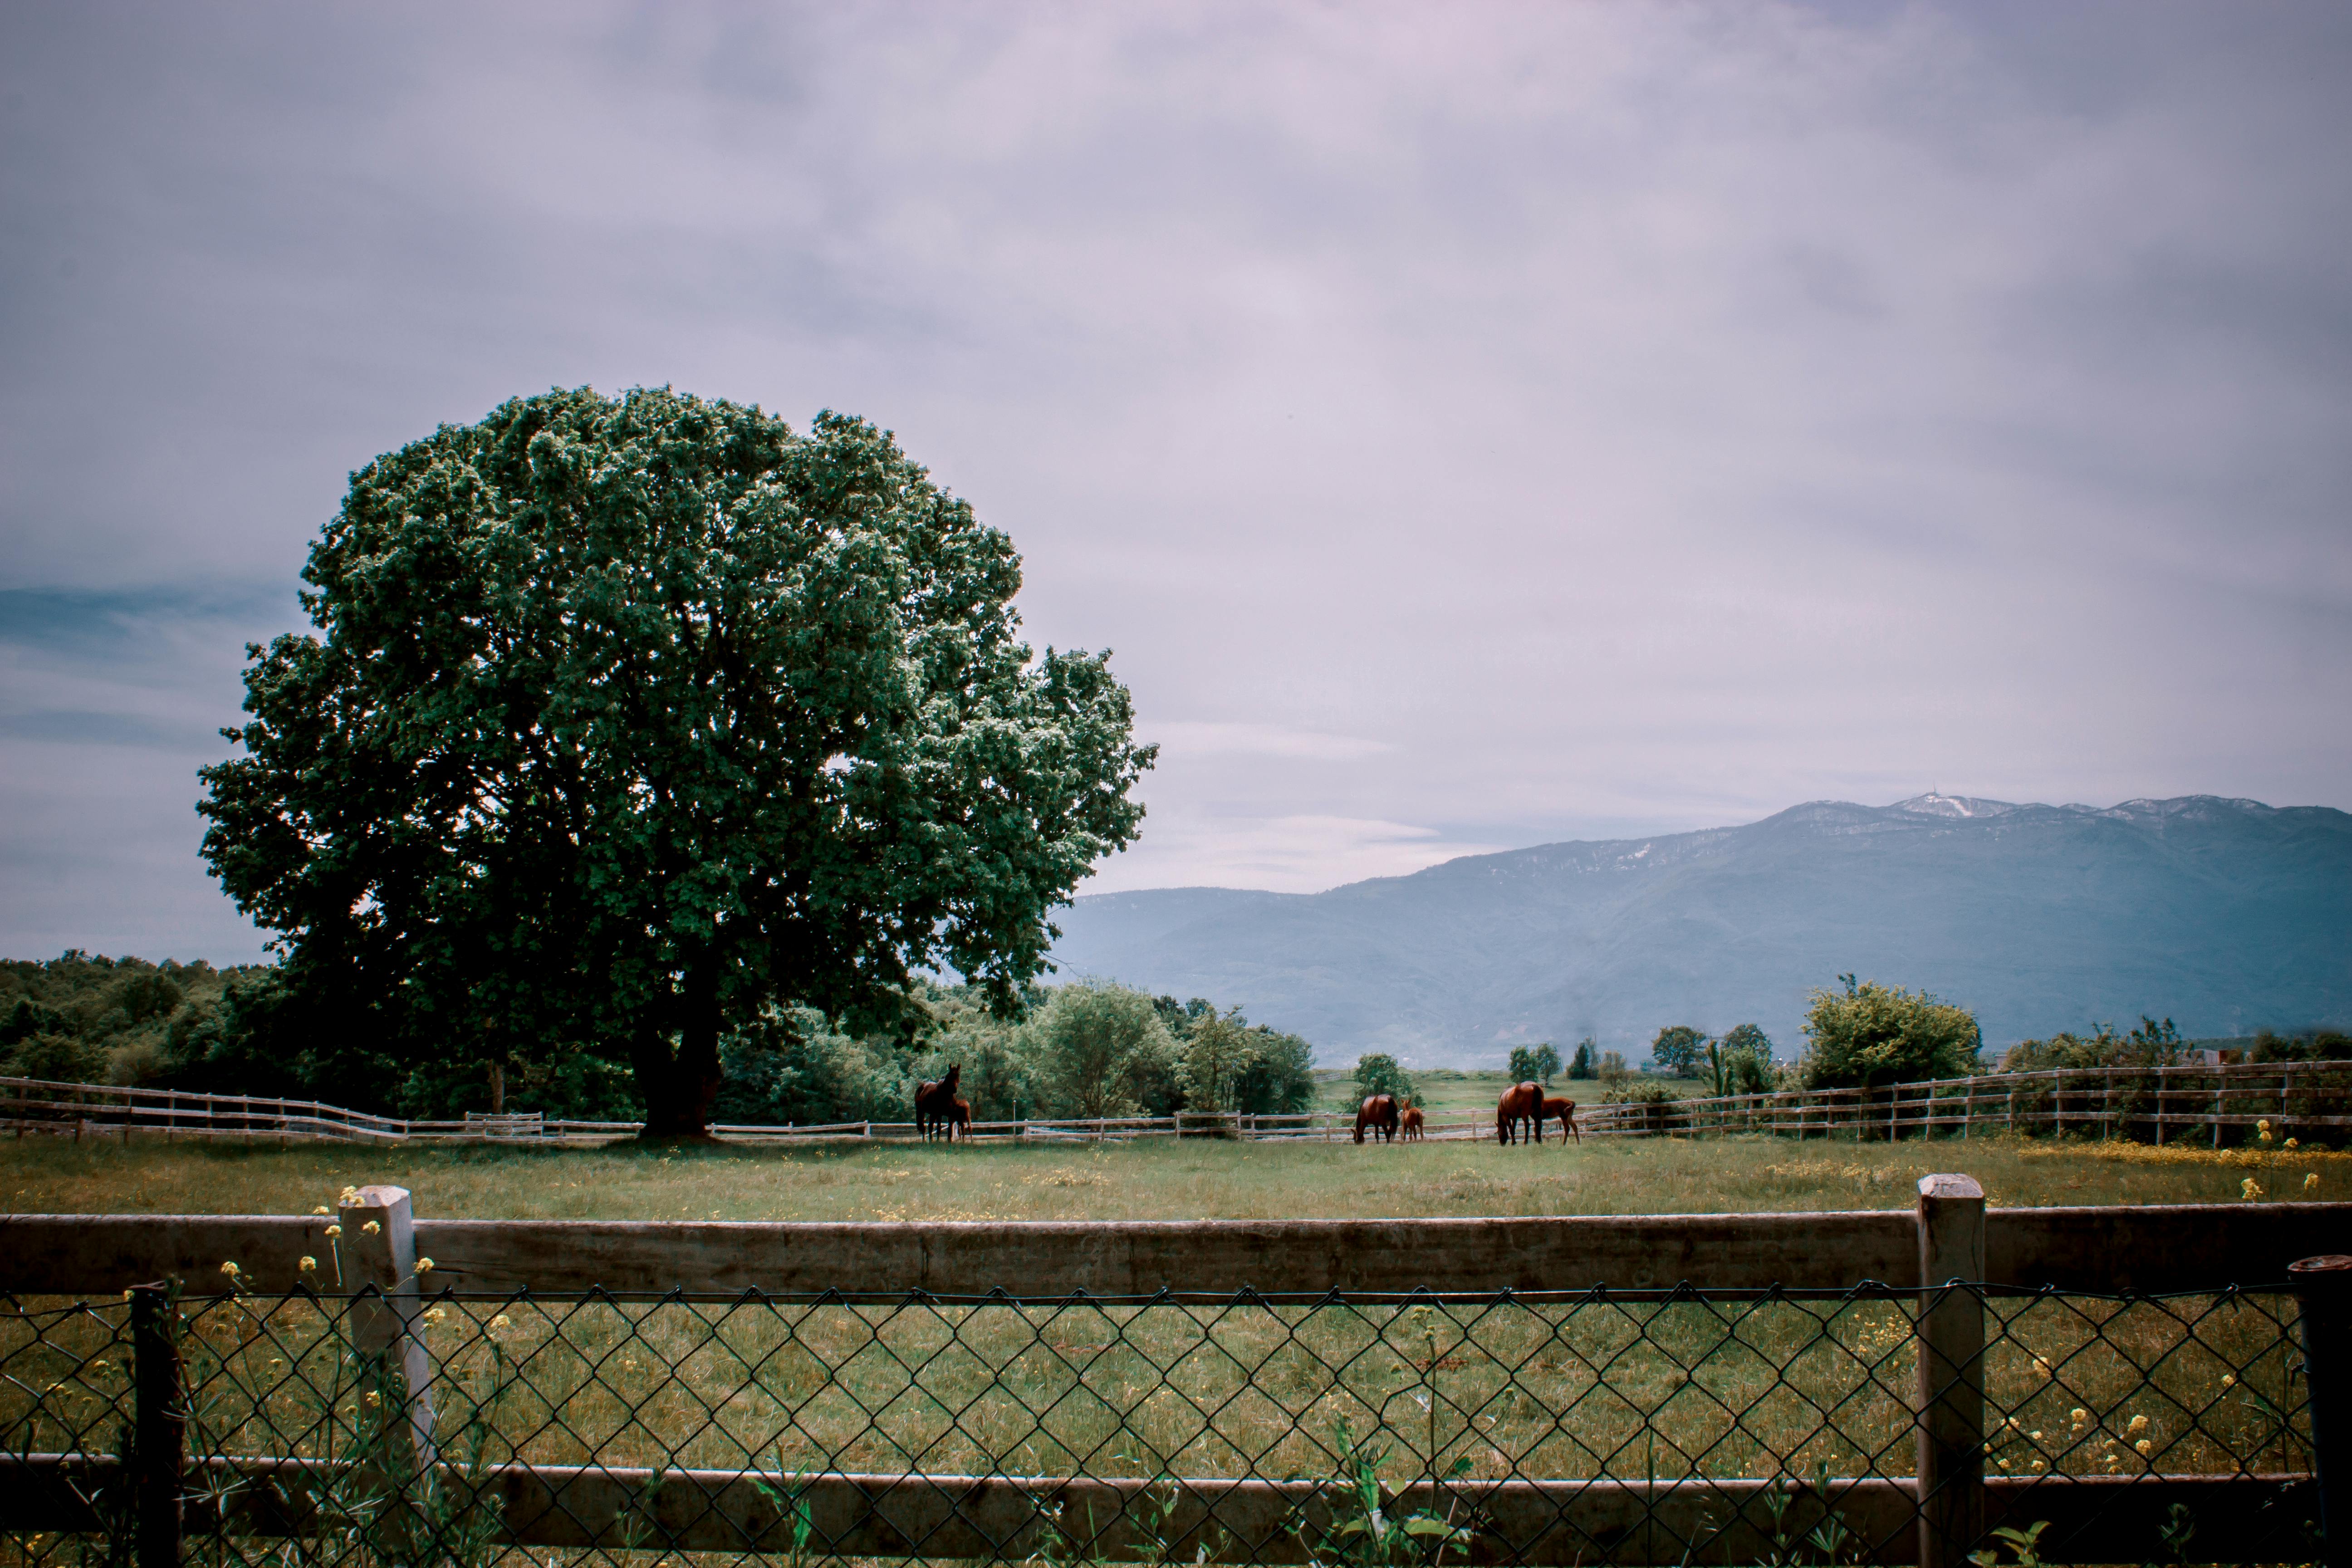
<point>1152,1180</point>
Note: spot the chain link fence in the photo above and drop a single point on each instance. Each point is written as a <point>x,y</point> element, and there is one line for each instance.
<point>1595,1426</point>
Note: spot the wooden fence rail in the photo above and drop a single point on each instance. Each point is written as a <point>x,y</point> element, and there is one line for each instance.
<point>1950,1236</point>
<point>2159,1103</point>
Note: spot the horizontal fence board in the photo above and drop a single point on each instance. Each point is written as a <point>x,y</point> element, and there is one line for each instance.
<point>104,1255</point>
<point>1051,1258</point>
<point>2119,1248</point>
<point>79,1254</point>
<point>2159,1247</point>
<point>2092,1519</point>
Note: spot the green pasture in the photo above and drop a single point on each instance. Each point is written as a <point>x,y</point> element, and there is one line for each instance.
<point>1156,1179</point>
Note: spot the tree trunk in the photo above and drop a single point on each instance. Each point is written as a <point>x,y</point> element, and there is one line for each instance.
<point>680,1084</point>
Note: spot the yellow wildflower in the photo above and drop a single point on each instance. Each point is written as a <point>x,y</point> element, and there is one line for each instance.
<point>349,1195</point>
<point>2292,1144</point>
<point>310,1265</point>
<point>2250,1188</point>
<point>2310,1180</point>
<point>2041,1365</point>
<point>2002,1463</point>
<point>333,1231</point>
<point>2041,1464</point>
<point>372,1398</point>
<point>373,1228</point>
<point>322,1209</point>
<point>2078,1416</point>
<point>435,1314</point>
<point>230,1270</point>
<point>2229,1380</point>
<point>2138,1424</point>
<point>2145,1446</point>
<point>500,1321</point>
<point>425,1266</point>
<point>2035,1435</point>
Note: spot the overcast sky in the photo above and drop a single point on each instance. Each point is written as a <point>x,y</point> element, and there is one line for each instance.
<point>1471,425</point>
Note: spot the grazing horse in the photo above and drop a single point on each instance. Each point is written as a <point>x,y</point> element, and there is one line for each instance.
<point>1521,1102</point>
<point>1566,1110</point>
<point>934,1105</point>
<point>1378,1112</point>
<point>1412,1123</point>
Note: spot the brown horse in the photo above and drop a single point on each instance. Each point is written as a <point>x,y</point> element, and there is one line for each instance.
<point>1566,1110</point>
<point>934,1105</point>
<point>1521,1102</point>
<point>961,1116</point>
<point>1378,1112</point>
<point>1412,1123</point>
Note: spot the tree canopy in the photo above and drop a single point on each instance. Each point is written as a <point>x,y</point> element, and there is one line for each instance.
<point>1378,1073</point>
<point>1869,1035</point>
<point>1534,1063</point>
<point>628,721</point>
<point>1677,1048</point>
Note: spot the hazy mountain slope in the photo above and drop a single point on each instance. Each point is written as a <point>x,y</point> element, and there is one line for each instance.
<point>2226,914</point>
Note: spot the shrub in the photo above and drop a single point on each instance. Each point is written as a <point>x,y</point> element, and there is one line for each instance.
<point>1871,1034</point>
<point>2152,1044</point>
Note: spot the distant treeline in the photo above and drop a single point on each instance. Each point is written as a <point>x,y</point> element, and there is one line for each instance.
<point>1861,1034</point>
<point>1071,1050</point>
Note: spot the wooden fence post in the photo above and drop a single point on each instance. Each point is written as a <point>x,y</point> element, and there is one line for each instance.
<point>2323,1285</point>
<point>158,1427</point>
<point>384,1319</point>
<point>1951,1370</point>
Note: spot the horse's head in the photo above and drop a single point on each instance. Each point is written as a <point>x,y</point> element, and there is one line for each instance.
<point>955,1074</point>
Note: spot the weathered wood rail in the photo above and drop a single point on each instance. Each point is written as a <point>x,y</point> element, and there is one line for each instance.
<point>2157,1249</point>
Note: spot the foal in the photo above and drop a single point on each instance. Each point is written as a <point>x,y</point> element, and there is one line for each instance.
<point>1566,1110</point>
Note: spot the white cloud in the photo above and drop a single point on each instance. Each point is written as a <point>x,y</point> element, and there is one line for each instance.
<point>1281,854</point>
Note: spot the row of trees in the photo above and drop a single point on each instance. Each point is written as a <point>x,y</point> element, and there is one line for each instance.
<point>1072,1050</point>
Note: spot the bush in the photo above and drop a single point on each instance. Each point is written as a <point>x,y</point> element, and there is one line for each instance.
<point>2152,1044</point>
<point>2311,1046</point>
<point>60,1058</point>
<point>1871,1034</point>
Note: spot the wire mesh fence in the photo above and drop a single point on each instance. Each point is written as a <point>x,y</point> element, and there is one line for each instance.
<point>1593,1426</point>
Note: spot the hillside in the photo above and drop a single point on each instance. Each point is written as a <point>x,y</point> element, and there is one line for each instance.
<point>2227,915</point>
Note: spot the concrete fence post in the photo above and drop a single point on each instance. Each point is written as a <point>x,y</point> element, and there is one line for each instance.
<point>2323,1287</point>
<point>158,1427</point>
<point>1951,1370</point>
<point>380,1249</point>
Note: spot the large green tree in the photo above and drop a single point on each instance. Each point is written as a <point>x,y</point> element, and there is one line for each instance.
<point>627,719</point>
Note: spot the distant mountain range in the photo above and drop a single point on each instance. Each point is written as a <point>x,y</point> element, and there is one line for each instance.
<point>2225,915</point>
